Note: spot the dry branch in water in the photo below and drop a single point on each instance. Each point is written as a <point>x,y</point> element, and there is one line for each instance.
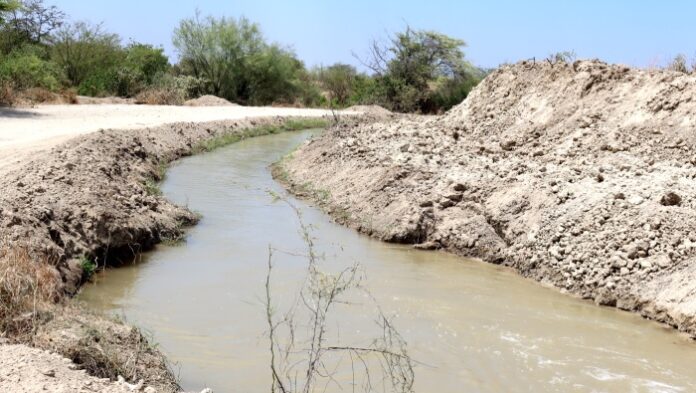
<point>307,356</point>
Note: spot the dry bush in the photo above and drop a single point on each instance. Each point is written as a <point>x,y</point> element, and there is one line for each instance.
<point>38,95</point>
<point>69,96</point>
<point>307,353</point>
<point>160,96</point>
<point>28,289</point>
<point>8,96</point>
<point>678,64</point>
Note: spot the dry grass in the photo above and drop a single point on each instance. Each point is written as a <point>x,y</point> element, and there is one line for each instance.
<point>160,96</point>
<point>28,289</point>
<point>8,96</point>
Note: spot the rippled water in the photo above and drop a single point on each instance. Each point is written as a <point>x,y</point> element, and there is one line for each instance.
<point>473,326</point>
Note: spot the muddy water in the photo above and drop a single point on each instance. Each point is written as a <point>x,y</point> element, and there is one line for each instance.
<point>474,327</point>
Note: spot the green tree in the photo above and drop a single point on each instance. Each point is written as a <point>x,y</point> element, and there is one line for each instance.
<point>413,64</point>
<point>27,22</point>
<point>219,50</point>
<point>86,52</point>
<point>339,81</point>
<point>26,67</point>
<point>238,63</point>
<point>7,6</point>
<point>146,60</point>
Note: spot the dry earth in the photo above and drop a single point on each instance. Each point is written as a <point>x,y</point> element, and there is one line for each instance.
<point>72,188</point>
<point>581,176</point>
<point>30,370</point>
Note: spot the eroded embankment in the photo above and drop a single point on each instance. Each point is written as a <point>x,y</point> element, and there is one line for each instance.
<point>581,176</point>
<point>94,201</point>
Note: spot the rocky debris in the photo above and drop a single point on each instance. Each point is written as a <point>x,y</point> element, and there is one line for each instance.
<point>580,175</point>
<point>106,348</point>
<point>28,370</point>
<point>209,100</point>
<point>670,199</point>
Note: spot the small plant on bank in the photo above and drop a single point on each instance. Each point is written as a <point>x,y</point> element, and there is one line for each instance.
<point>88,267</point>
<point>152,187</point>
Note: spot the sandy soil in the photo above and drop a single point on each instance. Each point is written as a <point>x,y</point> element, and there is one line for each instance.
<point>25,131</point>
<point>581,176</point>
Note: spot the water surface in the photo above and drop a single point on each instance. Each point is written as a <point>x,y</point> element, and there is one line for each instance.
<point>474,327</point>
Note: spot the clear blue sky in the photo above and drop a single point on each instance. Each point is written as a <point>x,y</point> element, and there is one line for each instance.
<point>635,32</point>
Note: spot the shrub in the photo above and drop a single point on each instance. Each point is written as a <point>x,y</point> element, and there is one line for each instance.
<point>24,68</point>
<point>171,90</point>
<point>679,64</point>
<point>8,96</point>
<point>160,96</point>
<point>98,84</point>
<point>88,55</point>
<point>146,61</point>
<point>239,64</point>
<point>413,65</point>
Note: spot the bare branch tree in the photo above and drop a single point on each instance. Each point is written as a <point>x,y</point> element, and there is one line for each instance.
<point>305,354</point>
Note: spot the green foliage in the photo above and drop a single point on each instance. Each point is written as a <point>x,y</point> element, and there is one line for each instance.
<point>87,53</point>
<point>95,61</point>
<point>339,80</point>
<point>147,61</point>
<point>413,63</point>
<point>5,7</point>
<point>238,63</point>
<point>25,68</point>
<point>88,266</point>
<point>29,22</point>
<point>152,187</point>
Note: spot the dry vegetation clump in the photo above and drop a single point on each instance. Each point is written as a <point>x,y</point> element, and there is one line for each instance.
<point>28,290</point>
<point>7,94</point>
<point>160,96</point>
<point>10,96</point>
<point>31,312</point>
<point>106,347</point>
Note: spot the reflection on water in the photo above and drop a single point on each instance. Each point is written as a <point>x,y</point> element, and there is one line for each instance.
<point>475,327</point>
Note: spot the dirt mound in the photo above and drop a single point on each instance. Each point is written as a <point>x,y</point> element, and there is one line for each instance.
<point>374,110</point>
<point>578,175</point>
<point>96,198</point>
<point>209,100</point>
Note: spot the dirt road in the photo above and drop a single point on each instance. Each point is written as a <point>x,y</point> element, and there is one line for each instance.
<point>25,131</point>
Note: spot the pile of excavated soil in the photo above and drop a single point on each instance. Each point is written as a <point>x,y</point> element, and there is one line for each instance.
<point>209,100</point>
<point>371,110</point>
<point>96,196</point>
<point>582,176</point>
<point>29,370</point>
